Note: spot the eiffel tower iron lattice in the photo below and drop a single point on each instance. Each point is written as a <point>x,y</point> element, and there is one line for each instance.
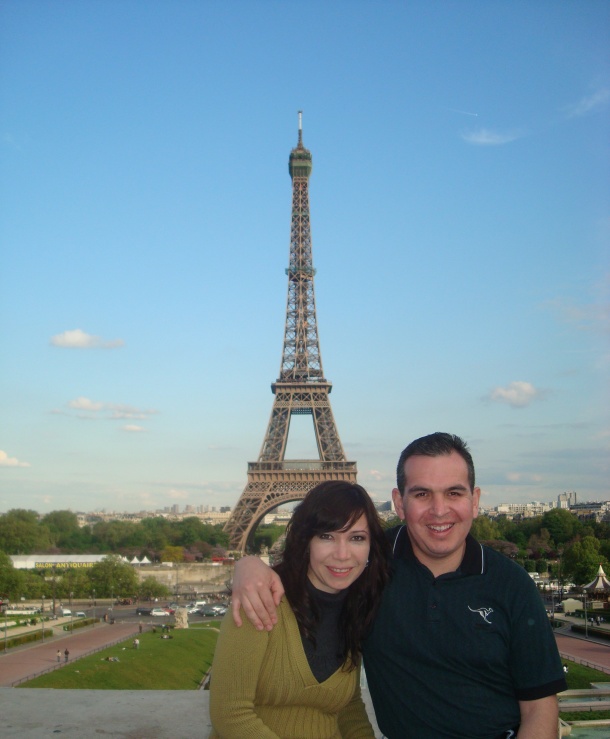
<point>301,388</point>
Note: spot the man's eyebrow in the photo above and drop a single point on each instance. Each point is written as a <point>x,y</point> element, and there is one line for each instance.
<point>424,489</point>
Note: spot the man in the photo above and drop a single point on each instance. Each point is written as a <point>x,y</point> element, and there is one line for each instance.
<point>461,647</point>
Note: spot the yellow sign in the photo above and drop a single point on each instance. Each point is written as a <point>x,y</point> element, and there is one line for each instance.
<point>61,565</point>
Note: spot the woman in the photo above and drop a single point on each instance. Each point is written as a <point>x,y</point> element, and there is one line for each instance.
<point>301,680</point>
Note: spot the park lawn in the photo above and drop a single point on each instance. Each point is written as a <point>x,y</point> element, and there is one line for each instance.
<point>179,663</point>
<point>580,677</point>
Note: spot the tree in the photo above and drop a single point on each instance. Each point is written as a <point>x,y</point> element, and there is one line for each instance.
<point>62,525</point>
<point>581,560</point>
<point>151,588</point>
<point>11,580</point>
<point>540,543</point>
<point>504,547</point>
<point>562,525</point>
<point>20,532</point>
<point>112,576</point>
<point>172,554</point>
<point>485,529</point>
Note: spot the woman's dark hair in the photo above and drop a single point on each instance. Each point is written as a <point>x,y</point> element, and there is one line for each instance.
<point>335,505</point>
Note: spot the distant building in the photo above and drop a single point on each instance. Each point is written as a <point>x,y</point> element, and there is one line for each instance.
<point>524,510</point>
<point>592,511</point>
<point>566,500</point>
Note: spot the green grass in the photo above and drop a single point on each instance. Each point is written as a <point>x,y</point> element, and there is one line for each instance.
<point>580,677</point>
<point>179,663</point>
<point>585,715</point>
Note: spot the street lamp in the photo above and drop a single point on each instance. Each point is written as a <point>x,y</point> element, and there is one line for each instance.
<point>586,619</point>
<point>94,607</point>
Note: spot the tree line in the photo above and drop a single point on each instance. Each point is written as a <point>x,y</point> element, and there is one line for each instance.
<point>557,542</point>
<point>25,532</point>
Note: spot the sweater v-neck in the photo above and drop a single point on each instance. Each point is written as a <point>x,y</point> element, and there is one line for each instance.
<point>297,651</point>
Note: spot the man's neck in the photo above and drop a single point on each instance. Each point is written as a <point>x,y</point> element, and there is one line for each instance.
<point>441,565</point>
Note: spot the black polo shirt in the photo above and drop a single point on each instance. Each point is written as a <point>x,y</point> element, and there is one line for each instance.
<point>450,657</point>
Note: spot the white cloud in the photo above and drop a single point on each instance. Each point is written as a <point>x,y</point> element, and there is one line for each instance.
<point>523,477</point>
<point>6,461</point>
<point>486,137</point>
<point>585,317</point>
<point>133,428</point>
<point>589,103</point>
<point>79,339</point>
<point>178,494</point>
<point>517,394</point>
<point>85,404</point>
<point>125,412</point>
<point>95,409</point>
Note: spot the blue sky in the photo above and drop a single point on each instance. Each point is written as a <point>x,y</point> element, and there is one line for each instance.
<point>460,221</point>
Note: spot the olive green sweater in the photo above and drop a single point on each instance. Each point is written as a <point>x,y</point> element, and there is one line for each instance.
<point>262,688</point>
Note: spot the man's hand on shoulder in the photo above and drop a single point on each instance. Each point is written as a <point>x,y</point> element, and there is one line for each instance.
<point>258,590</point>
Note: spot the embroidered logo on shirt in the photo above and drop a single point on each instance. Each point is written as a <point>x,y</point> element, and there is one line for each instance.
<point>483,613</point>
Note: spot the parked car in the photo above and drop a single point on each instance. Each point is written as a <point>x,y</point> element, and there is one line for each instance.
<point>208,611</point>
<point>80,614</point>
<point>65,612</point>
<point>143,611</point>
<point>159,612</point>
<point>169,609</point>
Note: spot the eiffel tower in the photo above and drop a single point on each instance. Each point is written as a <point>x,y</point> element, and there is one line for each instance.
<point>301,388</point>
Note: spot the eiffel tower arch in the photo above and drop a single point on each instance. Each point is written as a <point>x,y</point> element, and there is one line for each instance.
<point>300,389</point>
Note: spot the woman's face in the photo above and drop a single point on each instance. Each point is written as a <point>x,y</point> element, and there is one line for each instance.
<point>338,558</point>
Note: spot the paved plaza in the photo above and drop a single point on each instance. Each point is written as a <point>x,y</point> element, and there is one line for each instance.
<point>139,714</point>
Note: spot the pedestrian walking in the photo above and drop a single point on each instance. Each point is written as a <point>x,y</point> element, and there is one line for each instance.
<point>140,627</point>
<point>59,655</point>
<point>66,655</point>
<point>136,643</point>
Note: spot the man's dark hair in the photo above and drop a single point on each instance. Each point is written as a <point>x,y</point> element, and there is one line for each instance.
<point>335,505</point>
<point>434,445</point>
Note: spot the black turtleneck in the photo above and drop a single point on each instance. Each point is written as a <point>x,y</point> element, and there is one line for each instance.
<point>324,658</point>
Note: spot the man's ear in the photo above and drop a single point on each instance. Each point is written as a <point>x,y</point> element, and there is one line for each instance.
<point>476,494</point>
<point>398,504</point>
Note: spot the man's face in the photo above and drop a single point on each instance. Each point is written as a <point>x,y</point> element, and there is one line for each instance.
<point>438,508</point>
